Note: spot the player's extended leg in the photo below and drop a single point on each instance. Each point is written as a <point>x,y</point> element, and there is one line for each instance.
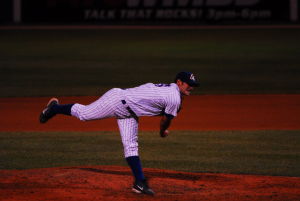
<point>129,134</point>
<point>104,107</point>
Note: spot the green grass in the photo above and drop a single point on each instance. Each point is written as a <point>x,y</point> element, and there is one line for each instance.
<point>238,152</point>
<point>88,62</point>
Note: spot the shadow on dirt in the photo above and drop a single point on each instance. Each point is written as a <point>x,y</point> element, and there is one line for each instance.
<point>149,173</point>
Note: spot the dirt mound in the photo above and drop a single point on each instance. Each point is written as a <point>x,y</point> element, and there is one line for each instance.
<point>92,183</point>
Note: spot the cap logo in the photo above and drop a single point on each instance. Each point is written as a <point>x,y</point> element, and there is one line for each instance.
<point>192,77</point>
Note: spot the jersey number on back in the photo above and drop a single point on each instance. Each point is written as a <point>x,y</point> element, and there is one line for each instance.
<point>162,85</point>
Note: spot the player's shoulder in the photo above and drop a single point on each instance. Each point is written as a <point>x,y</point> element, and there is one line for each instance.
<point>174,94</point>
<point>170,89</point>
<point>149,84</point>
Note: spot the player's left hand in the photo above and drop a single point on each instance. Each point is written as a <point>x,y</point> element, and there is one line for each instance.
<point>165,133</point>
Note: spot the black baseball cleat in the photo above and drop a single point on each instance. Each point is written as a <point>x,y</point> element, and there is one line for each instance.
<point>47,114</point>
<point>142,187</point>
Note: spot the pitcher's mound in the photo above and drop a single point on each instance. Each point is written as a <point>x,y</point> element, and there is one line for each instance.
<point>95,183</point>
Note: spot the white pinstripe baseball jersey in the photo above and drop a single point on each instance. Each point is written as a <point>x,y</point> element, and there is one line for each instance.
<point>145,100</point>
<point>153,99</point>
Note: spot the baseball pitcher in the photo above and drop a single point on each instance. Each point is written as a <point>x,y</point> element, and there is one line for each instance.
<point>127,105</point>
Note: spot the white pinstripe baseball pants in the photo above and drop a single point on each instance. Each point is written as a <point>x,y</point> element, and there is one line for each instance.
<point>110,105</point>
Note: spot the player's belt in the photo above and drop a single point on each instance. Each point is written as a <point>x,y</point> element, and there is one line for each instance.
<point>130,110</point>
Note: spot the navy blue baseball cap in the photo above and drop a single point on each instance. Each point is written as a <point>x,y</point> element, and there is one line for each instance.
<point>188,78</point>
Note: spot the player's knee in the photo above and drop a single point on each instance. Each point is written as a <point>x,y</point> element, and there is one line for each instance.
<point>79,112</point>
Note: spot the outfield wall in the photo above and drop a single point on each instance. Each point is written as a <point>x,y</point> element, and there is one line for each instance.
<point>191,12</point>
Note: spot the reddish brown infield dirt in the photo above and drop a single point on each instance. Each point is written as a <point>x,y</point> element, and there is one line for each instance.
<point>208,112</point>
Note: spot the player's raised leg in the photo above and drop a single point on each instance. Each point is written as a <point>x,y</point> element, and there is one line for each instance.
<point>102,108</point>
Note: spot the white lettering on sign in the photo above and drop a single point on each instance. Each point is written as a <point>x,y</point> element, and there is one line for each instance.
<point>136,14</point>
<point>183,3</point>
<point>214,14</point>
<point>179,14</point>
<point>94,14</point>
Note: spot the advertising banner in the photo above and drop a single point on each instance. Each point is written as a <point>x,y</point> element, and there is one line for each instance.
<point>160,11</point>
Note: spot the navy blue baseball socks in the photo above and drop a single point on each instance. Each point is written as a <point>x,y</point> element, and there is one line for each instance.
<point>142,187</point>
<point>136,167</point>
<point>53,108</point>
